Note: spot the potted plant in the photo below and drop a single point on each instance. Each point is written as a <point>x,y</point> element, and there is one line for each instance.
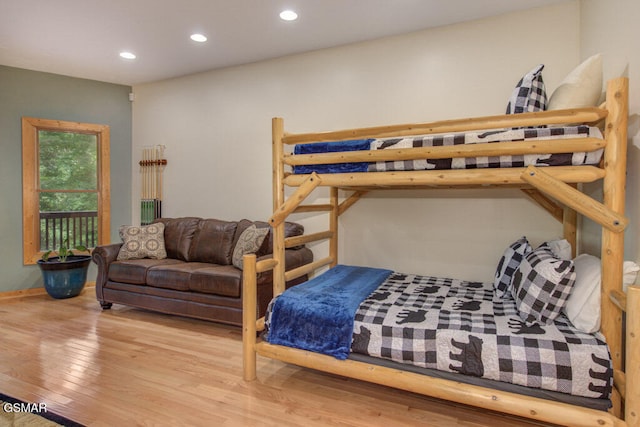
<point>66,274</point>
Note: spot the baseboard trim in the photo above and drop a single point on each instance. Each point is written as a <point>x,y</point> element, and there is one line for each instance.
<point>24,293</point>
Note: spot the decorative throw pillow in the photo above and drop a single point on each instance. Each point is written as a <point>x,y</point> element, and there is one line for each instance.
<point>541,285</point>
<point>529,94</point>
<point>583,305</point>
<point>249,242</point>
<point>142,242</point>
<point>508,265</point>
<point>581,88</point>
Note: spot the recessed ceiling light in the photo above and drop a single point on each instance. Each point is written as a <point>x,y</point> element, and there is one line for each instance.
<point>201,38</point>
<point>288,15</point>
<point>127,55</point>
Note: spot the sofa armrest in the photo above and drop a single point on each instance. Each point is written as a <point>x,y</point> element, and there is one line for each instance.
<point>293,258</point>
<point>103,256</point>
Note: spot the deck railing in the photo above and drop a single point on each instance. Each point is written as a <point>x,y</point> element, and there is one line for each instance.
<point>79,228</point>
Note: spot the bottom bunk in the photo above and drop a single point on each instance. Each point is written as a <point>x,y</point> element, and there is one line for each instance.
<point>482,352</point>
<point>440,324</point>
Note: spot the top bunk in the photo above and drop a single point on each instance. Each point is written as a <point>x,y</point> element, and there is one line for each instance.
<point>573,146</point>
<point>544,153</point>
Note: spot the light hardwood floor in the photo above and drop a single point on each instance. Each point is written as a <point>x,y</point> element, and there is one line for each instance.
<point>127,367</point>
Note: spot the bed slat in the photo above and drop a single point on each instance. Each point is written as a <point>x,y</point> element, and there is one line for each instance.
<point>579,115</point>
<point>447,178</point>
<point>509,403</point>
<point>493,149</point>
<point>291,242</point>
<point>308,268</point>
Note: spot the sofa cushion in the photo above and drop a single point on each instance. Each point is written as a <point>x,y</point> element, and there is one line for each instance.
<point>224,280</point>
<point>175,276</point>
<point>178,234</point>
<point>213,242</point>
<point>135,270</point>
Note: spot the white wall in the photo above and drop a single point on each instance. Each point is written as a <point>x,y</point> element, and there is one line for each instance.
<point>216,127</point>
<point>612,28</point>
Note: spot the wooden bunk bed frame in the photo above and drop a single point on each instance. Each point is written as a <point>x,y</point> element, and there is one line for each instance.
<point>554,188</point>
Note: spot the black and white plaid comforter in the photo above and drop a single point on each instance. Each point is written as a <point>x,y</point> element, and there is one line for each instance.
<point>458,326</point>
<point>520,134</point>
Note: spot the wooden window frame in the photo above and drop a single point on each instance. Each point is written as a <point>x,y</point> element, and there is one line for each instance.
<point>31,173</point>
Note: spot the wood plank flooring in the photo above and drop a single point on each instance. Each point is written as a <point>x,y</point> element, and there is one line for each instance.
<point>130,367</point>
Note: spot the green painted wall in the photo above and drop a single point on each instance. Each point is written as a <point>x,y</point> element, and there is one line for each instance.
<point>51,96</point>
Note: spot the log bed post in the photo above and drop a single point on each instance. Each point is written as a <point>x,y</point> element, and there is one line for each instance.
<point>249,314</point>
<point>278,200</point>
<point>570,228</point>
<point>632,363</point>
<point>612,251</point>
<point>333,226</point>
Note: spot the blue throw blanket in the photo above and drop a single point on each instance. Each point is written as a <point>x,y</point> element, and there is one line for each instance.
<point>318,315</point>
<point>331,147</point>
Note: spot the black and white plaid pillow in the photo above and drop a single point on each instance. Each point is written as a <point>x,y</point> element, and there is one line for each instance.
<point>508,264</point>
<point>529,94</point>
<point>541,285</point>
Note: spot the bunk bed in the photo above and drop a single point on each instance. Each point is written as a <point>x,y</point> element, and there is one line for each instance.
<point>555,187</point>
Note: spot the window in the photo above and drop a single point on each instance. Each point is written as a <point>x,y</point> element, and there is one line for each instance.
<point>65,185</point>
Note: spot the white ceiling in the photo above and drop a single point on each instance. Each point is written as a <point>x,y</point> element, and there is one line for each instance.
<point>82,38</point>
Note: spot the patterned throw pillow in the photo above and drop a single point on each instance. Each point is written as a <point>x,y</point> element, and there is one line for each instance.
<point>249,242</point>
<point>529,94</point>
<point>541,286</point>
<point>508,265</point>
<point>142,242</point>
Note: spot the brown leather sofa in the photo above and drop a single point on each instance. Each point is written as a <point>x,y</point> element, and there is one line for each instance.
<point>197,279</point>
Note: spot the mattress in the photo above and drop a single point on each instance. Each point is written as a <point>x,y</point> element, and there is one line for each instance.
<point>462,328</point>
<point>434,140</point>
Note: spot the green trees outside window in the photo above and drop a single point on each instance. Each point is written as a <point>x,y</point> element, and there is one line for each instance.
<point>68,169</point>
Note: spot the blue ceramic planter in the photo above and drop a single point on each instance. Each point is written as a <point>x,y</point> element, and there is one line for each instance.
<point>65,279</point>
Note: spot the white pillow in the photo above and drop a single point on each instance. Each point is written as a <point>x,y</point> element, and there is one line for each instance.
<point>629,273</point>
<point>583,306</point>
<point>581,88</point>
<point>560,248</point>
